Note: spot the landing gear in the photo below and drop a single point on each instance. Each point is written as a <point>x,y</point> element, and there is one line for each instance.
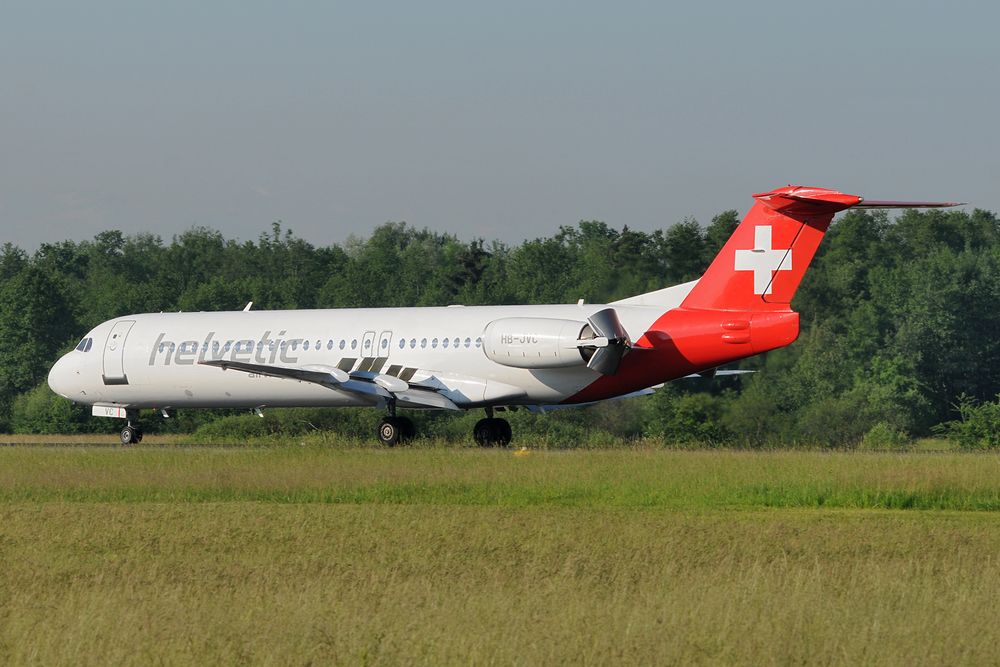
<point>131,434</point>
<point>492,432</point>
<point>393,430</point>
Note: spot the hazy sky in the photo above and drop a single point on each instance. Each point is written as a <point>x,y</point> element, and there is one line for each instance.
<point>501,119</point>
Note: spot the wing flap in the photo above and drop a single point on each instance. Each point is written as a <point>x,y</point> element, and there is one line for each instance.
<point>372,385</point>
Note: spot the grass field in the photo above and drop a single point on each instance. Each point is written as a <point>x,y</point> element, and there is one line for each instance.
<point>316,555</point>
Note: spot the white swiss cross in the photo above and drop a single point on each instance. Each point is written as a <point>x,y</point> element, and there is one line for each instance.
<point>763,260</point>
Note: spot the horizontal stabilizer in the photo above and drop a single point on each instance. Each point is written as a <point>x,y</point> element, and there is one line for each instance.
<point>716,372</point>
<point>888,203</point>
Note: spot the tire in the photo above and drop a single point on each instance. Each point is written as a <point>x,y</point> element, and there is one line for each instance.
<point>389,432</point>
<point>482,433</point>
<point>127,436</point>
<point>407,430</point>
<point>492,432</point>
<point>504,434</point>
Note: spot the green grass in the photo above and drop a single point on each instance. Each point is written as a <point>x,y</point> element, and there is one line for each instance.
<point>299,555</point>
<point>592,479</point>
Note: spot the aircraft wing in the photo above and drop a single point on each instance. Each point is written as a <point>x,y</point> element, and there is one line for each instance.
<point>374,386</point>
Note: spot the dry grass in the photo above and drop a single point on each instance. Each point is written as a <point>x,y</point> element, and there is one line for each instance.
<point>305,555</point>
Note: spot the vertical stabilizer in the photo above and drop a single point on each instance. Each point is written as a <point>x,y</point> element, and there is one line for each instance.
<point>762,264</point>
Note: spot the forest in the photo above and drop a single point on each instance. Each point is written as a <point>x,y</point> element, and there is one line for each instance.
<point>900,316</point>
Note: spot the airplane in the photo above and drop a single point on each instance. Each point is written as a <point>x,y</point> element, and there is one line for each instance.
<point>457,357</point>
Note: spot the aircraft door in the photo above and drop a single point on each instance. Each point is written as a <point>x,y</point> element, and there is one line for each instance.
<point>114,353</point>
<point>384,343</point>
<point>368,345</point>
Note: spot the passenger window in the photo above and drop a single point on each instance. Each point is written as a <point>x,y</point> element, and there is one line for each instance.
<point>329,344</point>
<point>354,344</point>
<point>444,343</point>
<point>423,342</point>
<point>413,343</point>
<point>434,343</point>
<point>479,342</point>
<point>342,343</point>
<point>305,345</point>
<point>402,343</point>
<point>385,343</point>
<point>457,341</point>
<point>468,342</point>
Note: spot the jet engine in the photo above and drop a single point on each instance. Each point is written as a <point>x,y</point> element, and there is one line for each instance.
<point>600,343</point>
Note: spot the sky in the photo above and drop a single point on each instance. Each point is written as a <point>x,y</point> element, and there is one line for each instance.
<point>500,120</point>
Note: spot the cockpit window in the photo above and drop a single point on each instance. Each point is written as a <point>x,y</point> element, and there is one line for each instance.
<point>85,345</point>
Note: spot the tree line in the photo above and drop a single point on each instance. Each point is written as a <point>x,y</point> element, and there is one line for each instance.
<point>899,319</point>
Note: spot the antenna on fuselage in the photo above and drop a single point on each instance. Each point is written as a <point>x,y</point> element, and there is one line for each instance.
<point>247,308</point>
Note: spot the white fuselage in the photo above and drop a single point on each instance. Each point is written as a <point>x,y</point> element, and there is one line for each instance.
<point>154,360</point>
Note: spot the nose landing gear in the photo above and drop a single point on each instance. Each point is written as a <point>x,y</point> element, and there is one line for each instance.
<point>131,434</point>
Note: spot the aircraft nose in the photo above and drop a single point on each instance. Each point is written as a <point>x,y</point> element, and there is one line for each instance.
<point>61,376</point>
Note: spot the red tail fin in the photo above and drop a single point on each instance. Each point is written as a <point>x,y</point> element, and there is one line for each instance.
<point>762,264</point>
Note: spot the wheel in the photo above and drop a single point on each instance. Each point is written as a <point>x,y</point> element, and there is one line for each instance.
<point>128,436</point>
<point>482,432</point>
<point>503,432</point>
<point>407,430</point>
<point>138,434</point>
<point>389,431</point>
<point>492,432</point>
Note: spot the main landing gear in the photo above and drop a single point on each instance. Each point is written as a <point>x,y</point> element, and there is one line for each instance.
<point>131,434</point>
<point>489,432</point>
<point>492,431</point>
<point>393,429</point>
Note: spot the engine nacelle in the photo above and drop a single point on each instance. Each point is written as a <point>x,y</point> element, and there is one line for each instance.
<point>536,342</point>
